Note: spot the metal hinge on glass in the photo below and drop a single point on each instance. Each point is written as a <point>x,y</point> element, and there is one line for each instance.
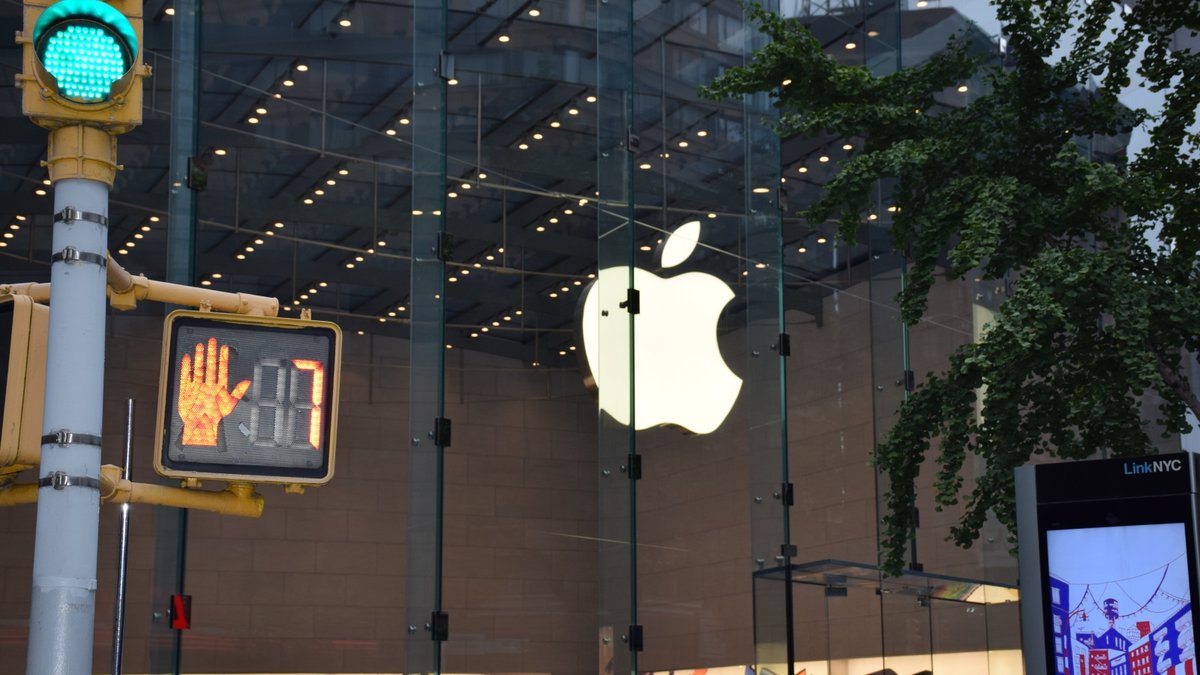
<point>441,432</point>
<point>633,301</point>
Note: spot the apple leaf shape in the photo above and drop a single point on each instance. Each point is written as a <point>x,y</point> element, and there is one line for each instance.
<point>681,243</point>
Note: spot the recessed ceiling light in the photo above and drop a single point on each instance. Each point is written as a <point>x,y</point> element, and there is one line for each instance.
<point>503,37</point>
<point>851,45</point>
<point>343,172</point>
<point>345,22</point>
<point>390,132</point>
<point>219,152</point>
<point>260,110</point>
<point>153,219</point>
<point>252,120</point>
<point>591,99</point>
<point>702,133</point>
<point>289,83</point>
<point>847,146</point>
<point>302,67</point>
<point>170,11</point>
<point>331,181</point>
<point>573,111</point>
<point>555,124</point>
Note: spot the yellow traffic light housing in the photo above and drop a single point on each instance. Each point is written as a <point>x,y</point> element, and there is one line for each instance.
<point>83,64</point>
<point>23,325</point>
<point>244,398</point>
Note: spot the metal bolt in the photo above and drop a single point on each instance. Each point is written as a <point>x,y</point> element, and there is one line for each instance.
<point>412,629</point>
<point>758,500</point>
<point>416,441</point>
<point>606,473</point>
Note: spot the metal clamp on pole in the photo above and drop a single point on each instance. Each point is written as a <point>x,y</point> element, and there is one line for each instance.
<point>71,254</point>
<point>71,214</point>
<point>65,437</point>
<point>60,480</point>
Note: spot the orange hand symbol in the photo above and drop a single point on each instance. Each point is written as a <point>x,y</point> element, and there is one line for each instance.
<point>203,396</point>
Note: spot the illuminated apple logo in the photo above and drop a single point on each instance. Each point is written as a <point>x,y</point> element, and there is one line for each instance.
<point>680,376</point>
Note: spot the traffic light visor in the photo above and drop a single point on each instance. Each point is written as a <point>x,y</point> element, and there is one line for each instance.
<point>87,46</point>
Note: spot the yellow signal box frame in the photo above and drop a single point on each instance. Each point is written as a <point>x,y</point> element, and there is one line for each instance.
<point>25,388</point>
<point>117,115</point>
<point>173,351</point>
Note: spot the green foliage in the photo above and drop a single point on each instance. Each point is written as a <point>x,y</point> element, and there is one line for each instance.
<point>1106,297</point>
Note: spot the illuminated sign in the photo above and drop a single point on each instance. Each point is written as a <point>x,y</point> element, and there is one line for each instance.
<point>681,377</point>
<point>248,398</point>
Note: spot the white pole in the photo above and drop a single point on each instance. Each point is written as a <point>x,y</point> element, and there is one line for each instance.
<point>62,613</point>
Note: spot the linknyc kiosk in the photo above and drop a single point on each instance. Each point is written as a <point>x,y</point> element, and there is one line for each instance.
<point>1108,554</point>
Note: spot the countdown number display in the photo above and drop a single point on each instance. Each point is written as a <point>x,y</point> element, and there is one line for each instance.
<point>248,398</point>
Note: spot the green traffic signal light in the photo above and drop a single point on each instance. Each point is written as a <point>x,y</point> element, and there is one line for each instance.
<point>87,45</point>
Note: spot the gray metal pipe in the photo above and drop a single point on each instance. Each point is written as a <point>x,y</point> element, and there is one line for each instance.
<point>63,604</point>
<point>123,553</point>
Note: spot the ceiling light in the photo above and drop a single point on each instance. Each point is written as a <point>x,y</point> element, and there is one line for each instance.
<point>573,111</point>
<point>802,249</point>
<point>138,235</point>
<point>644,165</point>
<point>537,136</point>
<point>847,146</point>
<point>331,182</point>
<point>304,296</point>
<point>302,67</point>
<point>540,228</point>
<point>534,10</point>
<point>206,282</point>
<point>252,120</point>
<point>962,88</point>
<point>554,124</point>
<point>553,294</point>
<point>503,37</point>
<point>23,218</point>
<point>319,192</point>
<point>569,212</point>
<point>523,146</point>
<point>219,152</point>
<point>358,258</point>
<point>390,132</point>
<point>761,190</point>
<point>851,45</point>
<point>922,3</point>
<point>40,192</point>
<point>683,144</point>
<point>761,266</point>
<point>153,219</point>
<point>823,158</point>
<point>453,280</point>
<point>121,251</point>
<point>260,110</point>
<point>145,228</point>
<point>258,242</point>
<point>308,200</point>
<point>216,275</point>
<point>288,83</point>
<point>554,221</point>
<point>349,266</point>
<point>591,99</point>
<point>712,215</point>
<point>489,257</point>
<point>803,169</point>
<point>452,195</point>
<point>278,224</point>
<point>702,133</point>
<point>381,243</point>
<point>249,249</point>
<point>452,82</point>
<point>345,22</point>
<point>645,247</point>
<point>46,181</point>
<point>343,172</point>
<point>821,240</point>
<point>872,33</point>
<point>404,121</point>
<point>241,256</point>
<point>484,329</point>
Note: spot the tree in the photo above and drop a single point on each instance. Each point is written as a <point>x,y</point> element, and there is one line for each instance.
<point>1101,257</point>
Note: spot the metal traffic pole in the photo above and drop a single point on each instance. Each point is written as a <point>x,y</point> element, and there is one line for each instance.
<point>62,611</point>
<point>123,553</point>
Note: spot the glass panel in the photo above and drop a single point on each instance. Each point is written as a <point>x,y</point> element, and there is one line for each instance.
<point>613,365</point>
<point>429,250</point>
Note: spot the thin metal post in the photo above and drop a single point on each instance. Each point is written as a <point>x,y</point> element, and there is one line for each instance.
<point>63,606</point>
<point>123,553</point>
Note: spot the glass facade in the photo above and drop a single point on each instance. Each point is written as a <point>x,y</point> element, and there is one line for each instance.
<point>607,406</point>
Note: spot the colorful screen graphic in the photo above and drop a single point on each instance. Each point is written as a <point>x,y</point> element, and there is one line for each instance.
<point>245,397</point>
<point>1120,600</point>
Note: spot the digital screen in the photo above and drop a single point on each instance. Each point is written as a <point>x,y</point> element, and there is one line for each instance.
<point>1120,600</point>
<point>248,399</point>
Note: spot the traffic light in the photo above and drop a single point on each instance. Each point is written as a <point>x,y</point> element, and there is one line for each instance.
<point>245,398</point>
<point>23,325</point>
<point>83,63</point>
